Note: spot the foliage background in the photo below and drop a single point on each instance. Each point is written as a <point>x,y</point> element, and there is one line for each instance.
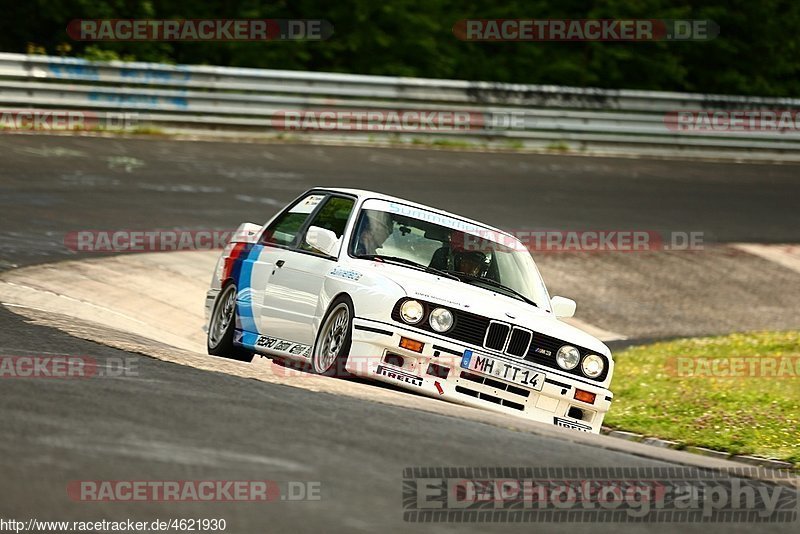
<point>756,52</point>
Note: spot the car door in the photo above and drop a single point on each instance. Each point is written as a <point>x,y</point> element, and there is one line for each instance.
<point>260,263</point>
<point>295,281</point>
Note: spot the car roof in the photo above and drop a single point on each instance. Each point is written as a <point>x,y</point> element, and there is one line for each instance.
<point>364,194</point>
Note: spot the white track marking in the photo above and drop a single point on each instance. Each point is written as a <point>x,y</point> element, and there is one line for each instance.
<point>596,331</point>
<point>786,255</point>
<point>158,295</point>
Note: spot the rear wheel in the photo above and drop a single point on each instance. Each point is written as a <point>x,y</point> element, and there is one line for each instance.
<point>219,340</point>
<point>335,336</point>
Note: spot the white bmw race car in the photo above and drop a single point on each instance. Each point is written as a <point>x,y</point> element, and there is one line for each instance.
<point>350,281</point>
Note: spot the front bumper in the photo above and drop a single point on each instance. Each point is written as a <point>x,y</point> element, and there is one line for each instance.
<point>437,372</point>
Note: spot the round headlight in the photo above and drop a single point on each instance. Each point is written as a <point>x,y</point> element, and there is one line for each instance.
<point>441,320</point>
<point>568,357</point>
<point>593,366</point>
<point>412,311</point>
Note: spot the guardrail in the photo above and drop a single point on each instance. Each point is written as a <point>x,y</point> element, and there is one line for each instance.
<point>225,100</point>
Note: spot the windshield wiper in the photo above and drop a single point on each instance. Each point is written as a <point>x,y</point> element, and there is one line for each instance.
<point>488,281</point>
<point>408,263</point>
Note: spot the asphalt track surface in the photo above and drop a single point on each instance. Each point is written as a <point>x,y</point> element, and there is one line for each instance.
<point>173,422</point>
<point>51,185</point>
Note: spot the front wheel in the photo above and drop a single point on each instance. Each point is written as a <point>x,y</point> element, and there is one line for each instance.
<point>335,336</point>
<point>219,340</point>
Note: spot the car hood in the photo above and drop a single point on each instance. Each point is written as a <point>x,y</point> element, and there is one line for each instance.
<point>494,305</point>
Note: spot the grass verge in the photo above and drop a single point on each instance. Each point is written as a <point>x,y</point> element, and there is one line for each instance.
<point>738,393</point>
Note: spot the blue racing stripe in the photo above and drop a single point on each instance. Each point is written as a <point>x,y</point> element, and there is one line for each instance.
<point>248,339</point>
<point>242,273</point>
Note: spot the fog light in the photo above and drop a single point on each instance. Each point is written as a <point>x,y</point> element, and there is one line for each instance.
<point>439,371</point>
<point>394,359</point>
<point>575,413</point>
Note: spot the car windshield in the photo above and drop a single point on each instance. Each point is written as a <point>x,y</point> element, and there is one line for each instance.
<point>424,239</point>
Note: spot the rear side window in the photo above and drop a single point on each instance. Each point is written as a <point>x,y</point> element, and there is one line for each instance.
<point>334,214</point>
<point>285,228</point>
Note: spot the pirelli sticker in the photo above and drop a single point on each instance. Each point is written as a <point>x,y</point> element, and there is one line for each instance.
<point>400,376</point>
<point>572,425</point>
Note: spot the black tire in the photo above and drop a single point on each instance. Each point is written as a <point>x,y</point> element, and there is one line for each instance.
<point>219,339</point>
<point>322,353</point>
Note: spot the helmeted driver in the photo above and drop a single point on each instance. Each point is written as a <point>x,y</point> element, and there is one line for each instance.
<point>374,230</point>
<point>470,262</point>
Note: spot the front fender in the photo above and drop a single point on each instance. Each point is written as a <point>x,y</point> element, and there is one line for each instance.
<point>373,295</point>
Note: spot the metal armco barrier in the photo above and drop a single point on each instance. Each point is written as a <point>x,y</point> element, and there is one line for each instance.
<point>236,101</point>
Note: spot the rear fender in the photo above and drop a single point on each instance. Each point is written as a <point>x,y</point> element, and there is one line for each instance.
<point>245,236</point>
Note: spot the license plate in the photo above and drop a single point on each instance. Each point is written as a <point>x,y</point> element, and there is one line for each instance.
<point>504,371</point>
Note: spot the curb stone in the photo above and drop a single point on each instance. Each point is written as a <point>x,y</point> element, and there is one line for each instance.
<point>762,462</point>
<point>770,463</point>
<point>662,443</point>
<point>628,436</point>
<point>709,452</point>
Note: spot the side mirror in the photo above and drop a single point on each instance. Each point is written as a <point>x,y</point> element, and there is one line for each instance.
<point>323,240</point>
<point>563,307</point>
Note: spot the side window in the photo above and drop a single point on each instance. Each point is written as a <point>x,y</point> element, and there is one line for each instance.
<point>332,217</point>
<point>284,229</point>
